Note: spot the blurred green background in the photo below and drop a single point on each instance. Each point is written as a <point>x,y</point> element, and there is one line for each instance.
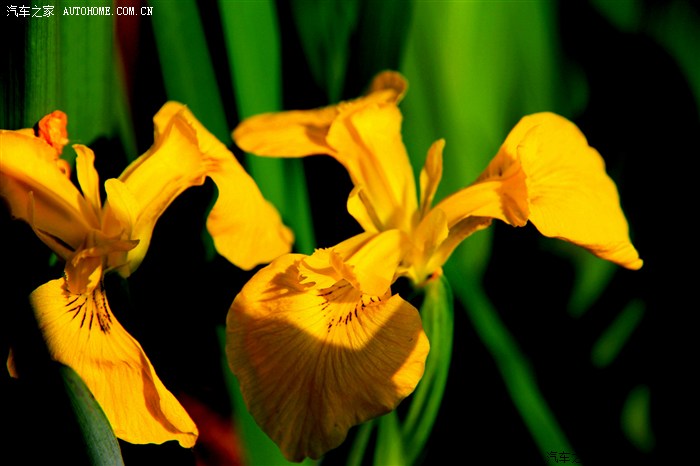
<point>556,355</point>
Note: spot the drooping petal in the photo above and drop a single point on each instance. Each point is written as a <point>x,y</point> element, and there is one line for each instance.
<point>570,195</point>
<point>546,172</point>
<point>246,228</point>
<point>82,332</point>
<point>315,358</point>
<point>38,192</point>
<point>155,179</point>
<point>460,231</point>
<point>433,241</point>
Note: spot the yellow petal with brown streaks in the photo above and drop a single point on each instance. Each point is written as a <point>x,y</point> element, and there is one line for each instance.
<point>313,361</point>
<point>82,332</point>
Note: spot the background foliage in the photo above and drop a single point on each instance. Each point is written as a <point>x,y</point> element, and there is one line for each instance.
<point>554,351</point>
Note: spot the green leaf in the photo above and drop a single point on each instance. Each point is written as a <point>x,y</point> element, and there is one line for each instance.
<point>325,28</point>
<point>87,76</point>
<point>69,66</point>
<point>186,63</point>
<point>593,274</point>
<point>255,64</point>
<point>42,60</point>
<point>359,446</point>
<point>519,378</point>
<point>257,79</point>
<point>636,418</point>
<point>437,313</point>
<point>474,69</point>
<point>101,444</point>
<point>613,339</point>
<point>379,43</point>
<point>625,14</point>
<point>390,446</point>
<point>676,26</point>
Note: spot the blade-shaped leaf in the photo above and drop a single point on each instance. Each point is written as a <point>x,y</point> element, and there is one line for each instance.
<point>390,447</point>
<point>101,444</point>
<point>186,63</point>
<point>519,378</point>
<point>359,446</point>
<point>437,313</point>
<point>256,73</point>
<point>325,28</point>
<point>613,339</point>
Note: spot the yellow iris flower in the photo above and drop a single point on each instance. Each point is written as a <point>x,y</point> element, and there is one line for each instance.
<point>75,317</point>
<point>318,342</point>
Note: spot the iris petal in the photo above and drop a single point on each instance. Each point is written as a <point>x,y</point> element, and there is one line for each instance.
<point>391,81</point>
<point>155,179</point>
<point>546,172</point>
<point>431,175</point>
<point>299,133</point>
<point>82,332</point>
<point>88,178</point>
<point>504,196</point>
<point>316,358</point>
<point>296,133</point>
<point>39,193</point>
<point>245,227</point>
<point>366,137</point>
<point>570,195</point>
<point>374,262</point>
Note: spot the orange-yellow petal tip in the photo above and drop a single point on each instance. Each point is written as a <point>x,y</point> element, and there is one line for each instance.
<point>53,130</point>
<point>389,80</point>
